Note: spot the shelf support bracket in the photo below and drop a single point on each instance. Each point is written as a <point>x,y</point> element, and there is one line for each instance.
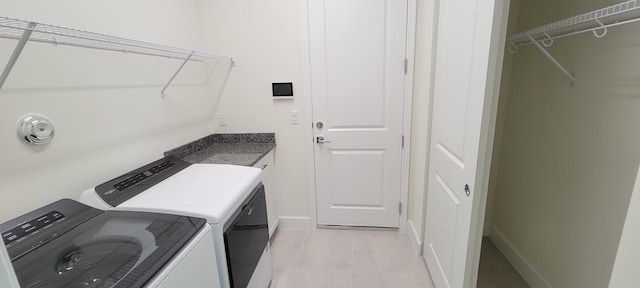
<point>553,60</point>
<point>176,74</point>
<point>16,53</point>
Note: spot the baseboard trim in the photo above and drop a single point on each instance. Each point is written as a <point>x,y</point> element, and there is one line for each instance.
<point>528,272</point>
<point>487,229</point>
<point>274,227</point>
<point>415,238</point>
<point>294,222</point>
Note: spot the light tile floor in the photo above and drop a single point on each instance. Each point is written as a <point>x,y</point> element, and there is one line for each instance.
<point>346,259</point>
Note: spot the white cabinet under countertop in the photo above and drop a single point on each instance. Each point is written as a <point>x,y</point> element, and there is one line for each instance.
<point>267,164</point>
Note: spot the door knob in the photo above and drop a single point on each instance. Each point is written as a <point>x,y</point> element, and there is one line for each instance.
<point>320,140</point>
<point>467,190</point>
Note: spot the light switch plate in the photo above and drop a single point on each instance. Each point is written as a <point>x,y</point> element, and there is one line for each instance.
<point>294,117</point>
<point>222,119</point>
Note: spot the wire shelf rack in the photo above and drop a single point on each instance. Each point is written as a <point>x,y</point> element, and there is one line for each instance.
<point>597,22</point>
<point>24,31</point>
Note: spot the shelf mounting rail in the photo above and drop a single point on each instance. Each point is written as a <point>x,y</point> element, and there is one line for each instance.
<point>597,22</point>
<point>24,31</point>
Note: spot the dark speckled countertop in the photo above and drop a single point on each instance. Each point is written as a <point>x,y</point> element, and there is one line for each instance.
<point>237,149</point>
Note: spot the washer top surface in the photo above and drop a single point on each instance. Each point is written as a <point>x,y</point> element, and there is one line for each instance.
<point>68,244</point>
<point>208,191</point>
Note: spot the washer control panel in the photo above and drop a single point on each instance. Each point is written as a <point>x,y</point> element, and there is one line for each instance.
<point>30,227</point>
<point>122,188</point>
<point>133,180</point>
<point>38,227</point>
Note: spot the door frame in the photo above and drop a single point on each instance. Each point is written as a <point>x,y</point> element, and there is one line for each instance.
<point>406,118</point>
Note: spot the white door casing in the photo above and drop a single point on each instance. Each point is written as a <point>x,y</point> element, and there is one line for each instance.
<point>466,78</point>
<point>357,52</point>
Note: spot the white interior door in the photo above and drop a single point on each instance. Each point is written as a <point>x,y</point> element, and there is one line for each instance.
<point>465,77</point>
<point>357,50</point>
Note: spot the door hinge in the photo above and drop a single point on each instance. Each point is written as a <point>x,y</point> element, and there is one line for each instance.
<point>402,145</point>
<point>406,66</point>
<point>400,208</point>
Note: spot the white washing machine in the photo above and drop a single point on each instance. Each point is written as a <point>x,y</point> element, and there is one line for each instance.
<point>69,244</point>
<point>231,199</point>
<point>7,276</point>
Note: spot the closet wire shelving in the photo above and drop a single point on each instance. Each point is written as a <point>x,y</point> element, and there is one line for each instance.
<point>597,22</point>
<point>24,31</point>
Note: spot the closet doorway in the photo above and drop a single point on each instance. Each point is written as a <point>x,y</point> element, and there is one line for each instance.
<point>566,150</point>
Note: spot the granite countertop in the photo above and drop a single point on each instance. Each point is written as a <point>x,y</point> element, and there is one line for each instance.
<point>237,149</point>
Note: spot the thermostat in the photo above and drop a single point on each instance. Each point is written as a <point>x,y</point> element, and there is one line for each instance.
<point>282,90</point>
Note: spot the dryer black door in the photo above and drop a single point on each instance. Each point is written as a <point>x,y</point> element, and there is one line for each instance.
<point>245,239</point>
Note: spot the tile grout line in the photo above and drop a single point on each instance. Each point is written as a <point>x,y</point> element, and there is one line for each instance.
<point>430,282</point>
<point>404,252</point>
<point>295,270</point>
<point>353,252</point>
<point>304,244</point>
<point>406,259</point>
<point>297,266</point>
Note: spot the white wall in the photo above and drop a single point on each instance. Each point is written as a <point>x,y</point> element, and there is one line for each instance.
<point>569,153</point>
<point>421,115</point>
<point>264,37</point>
<point>106,106</point>
<point>625,269</point>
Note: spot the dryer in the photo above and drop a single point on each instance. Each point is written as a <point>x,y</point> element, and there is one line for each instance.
<point>68,244</point>
<point>231,199</point>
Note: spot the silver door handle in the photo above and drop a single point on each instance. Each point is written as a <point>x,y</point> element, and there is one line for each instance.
<point>320,140</point>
